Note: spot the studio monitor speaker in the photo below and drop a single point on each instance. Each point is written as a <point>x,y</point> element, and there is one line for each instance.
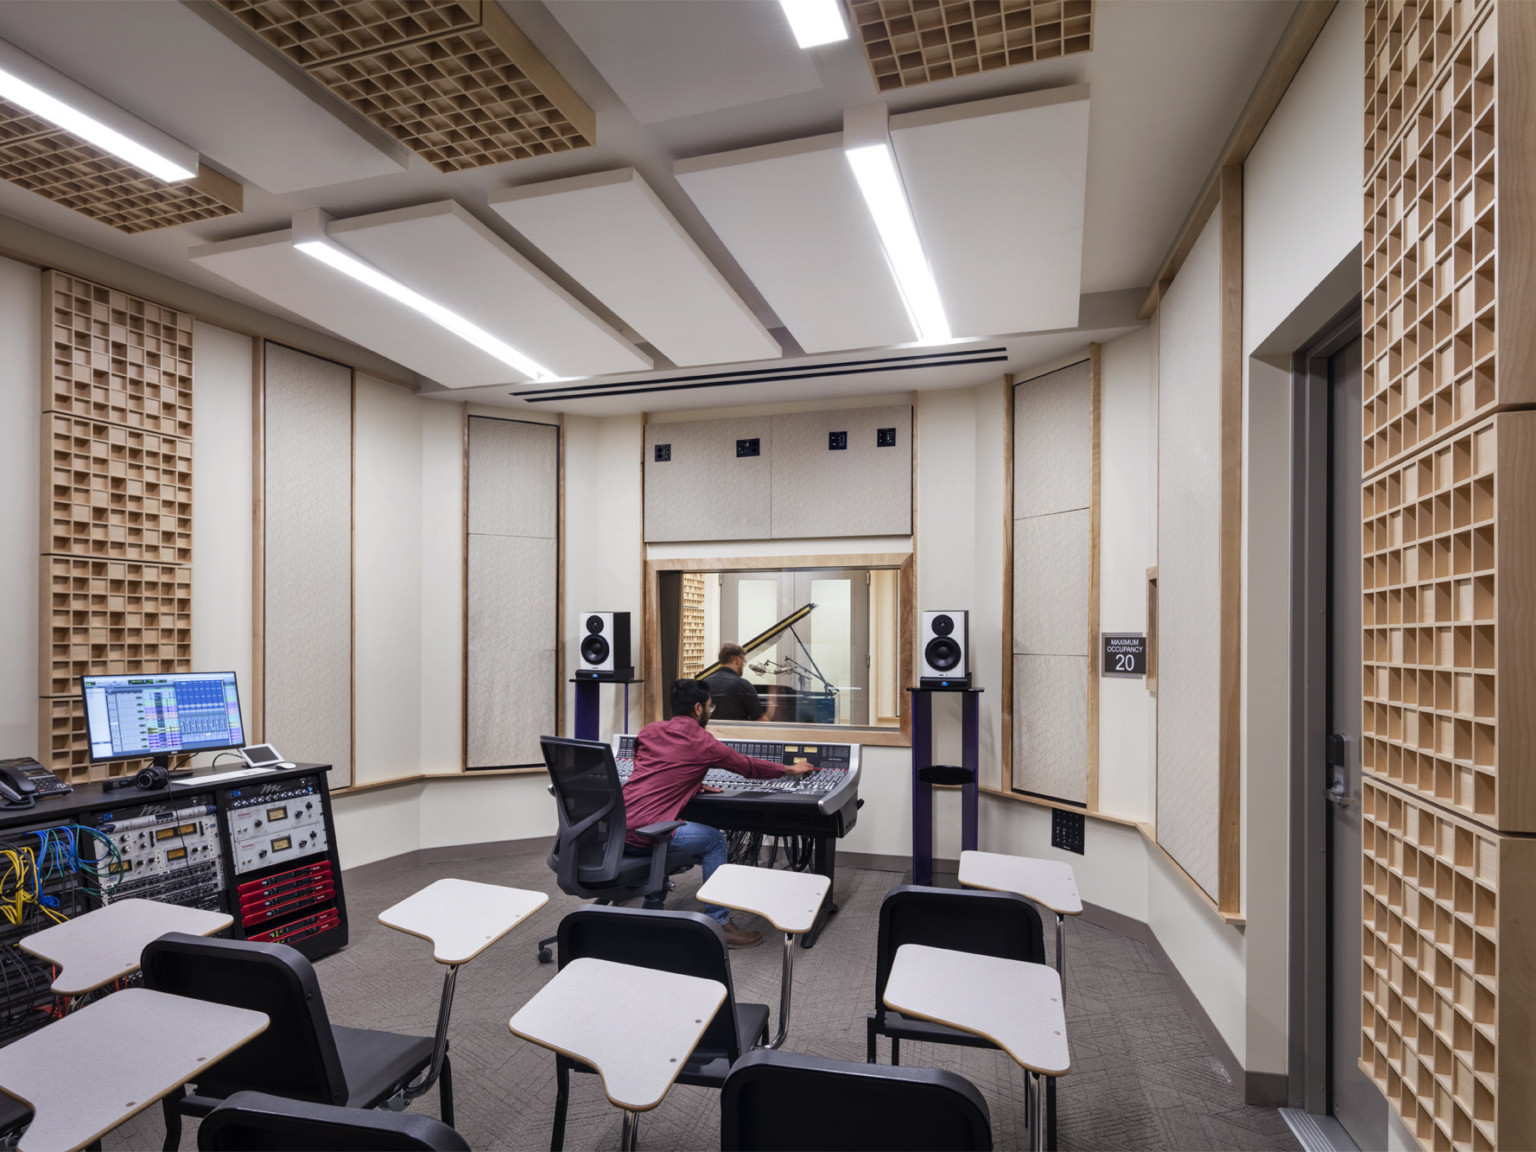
<point>604,647</point>
<point>945,653</point>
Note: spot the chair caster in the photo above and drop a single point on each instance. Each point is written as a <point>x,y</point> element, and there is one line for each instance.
<point>546,956</point>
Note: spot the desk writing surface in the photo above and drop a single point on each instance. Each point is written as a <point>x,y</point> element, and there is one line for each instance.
<point>462,918</point>
<point>1014,1004</point>
<point>1051,883</point>
<point>87,1072</point>
<point>636,1026</point>
<point>788,900</point>
<point>98,947</point>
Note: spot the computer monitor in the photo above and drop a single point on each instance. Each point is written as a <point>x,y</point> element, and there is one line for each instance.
<point>127,717</point>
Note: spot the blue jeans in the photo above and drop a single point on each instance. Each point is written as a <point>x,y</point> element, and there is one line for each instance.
<point>696,840</point>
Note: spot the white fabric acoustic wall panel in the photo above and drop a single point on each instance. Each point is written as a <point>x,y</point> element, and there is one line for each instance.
<point>513,609</point>
<point>1053,526</point>
<point>1189,562</point>
<point>861,489</point>
<point>307,559</point>
<point>698,488</point>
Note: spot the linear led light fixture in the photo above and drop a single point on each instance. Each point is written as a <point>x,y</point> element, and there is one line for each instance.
<point>50,95</point>
<point>310,238</point>
<point>815,22</point>
<point>867,144</point>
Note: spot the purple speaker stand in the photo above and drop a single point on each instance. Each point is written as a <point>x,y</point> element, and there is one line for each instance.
<point>922,791</point>
<point>587,705</point>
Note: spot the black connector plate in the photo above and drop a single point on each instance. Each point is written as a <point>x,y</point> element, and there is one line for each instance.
<point>1067,830</point>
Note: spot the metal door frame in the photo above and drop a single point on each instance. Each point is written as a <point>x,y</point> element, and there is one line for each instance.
<point>1309,920</point>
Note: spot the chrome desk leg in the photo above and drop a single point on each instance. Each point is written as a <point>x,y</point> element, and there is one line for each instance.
<point>1039,1132</point>
<point>631,1131</point>
<point>785,982</point>
<point>1061,955</point>
<point>444,1010</point>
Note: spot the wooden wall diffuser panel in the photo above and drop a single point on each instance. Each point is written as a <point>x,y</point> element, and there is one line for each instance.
<point>1055,615</point>
<point>1449,984</point>
<point>512,599</point>
<point>307,559</point>
<point>49,161</point>
<point>116,525</point>
<point>1448,153</point>
<point>453,80</point>
<point>912,42</point>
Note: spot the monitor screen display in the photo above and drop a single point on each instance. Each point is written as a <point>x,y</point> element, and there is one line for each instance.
<point>161,716</point>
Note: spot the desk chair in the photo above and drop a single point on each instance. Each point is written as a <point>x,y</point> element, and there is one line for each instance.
<point>794,1103</point>
<point>301,1055</point>
<point>256,1122</point>
<point>688,943</point>
<point>588,857</point>
<point>987,923</point>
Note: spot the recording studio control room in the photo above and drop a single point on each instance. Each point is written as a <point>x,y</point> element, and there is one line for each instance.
<point>825,575</point>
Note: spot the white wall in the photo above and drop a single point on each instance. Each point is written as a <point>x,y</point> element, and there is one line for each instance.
<point>21,293</point>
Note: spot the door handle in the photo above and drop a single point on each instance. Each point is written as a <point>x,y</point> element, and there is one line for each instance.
<point>1338,770</point>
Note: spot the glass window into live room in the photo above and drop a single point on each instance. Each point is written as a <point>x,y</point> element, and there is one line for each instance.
<point>828,639</point>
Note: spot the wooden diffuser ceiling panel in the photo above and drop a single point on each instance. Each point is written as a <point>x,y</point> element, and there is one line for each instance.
<point>1449,545</point>
<point>912,42</point>
<point>116,547</point>
<point>453,80</point>
<point>51,162</point>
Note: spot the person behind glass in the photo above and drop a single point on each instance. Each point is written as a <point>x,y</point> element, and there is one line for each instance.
<point>734,695</point>
<point>671,757</point>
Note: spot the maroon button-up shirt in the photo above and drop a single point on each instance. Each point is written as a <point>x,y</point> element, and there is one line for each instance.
<point>671,757</point>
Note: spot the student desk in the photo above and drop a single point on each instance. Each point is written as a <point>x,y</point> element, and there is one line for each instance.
<point>636,1026</point>
<point>1016,1005</point>
<point>1050,883</point>
<point>790,901</point>
<point>138,1045</point>
<point>104,945</point>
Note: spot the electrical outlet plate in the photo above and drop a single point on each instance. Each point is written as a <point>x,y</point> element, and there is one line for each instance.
<point>837,441</point>
<point>663,453</point>
<point>750,447</point>
<point>885,438</point>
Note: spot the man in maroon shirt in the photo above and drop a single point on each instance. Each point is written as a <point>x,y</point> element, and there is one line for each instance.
<point>671,757</point>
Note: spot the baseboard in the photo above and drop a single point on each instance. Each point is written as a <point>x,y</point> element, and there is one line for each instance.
<point>1267,1089</point>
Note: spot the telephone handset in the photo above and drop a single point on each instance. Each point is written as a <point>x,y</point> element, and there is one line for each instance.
<point>23,780</point>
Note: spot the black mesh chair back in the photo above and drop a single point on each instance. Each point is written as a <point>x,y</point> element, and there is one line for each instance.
<point>296,1056</point>
<point>257,1122</point>
<point>589,801</point>
<point>986,923</point>
<point>688,943</point>
<point>793,1103</point>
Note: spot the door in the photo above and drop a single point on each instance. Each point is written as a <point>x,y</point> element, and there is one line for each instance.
<point>1355,1101</point>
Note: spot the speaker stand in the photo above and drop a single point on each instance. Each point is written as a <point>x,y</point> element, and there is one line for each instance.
<point>587,698</point>
<point>925,774</point>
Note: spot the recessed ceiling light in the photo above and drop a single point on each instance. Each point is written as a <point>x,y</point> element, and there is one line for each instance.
<point>52,96</point>
<point>866,143</point>
<point>309,238</point>
<point>815,22</point>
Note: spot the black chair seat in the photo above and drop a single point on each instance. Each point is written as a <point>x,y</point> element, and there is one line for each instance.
<point>13,1114</point>
<point>375,1063</point>
<point>911,1028</point>
<point>258,1122</point>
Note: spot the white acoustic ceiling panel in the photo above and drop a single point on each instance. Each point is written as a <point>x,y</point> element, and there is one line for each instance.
<point>998,189</point>
<point>166,63</point>
<point>272,268</point>
<point>448,256</point>
<point>614,237</point>
<point>792,216</point>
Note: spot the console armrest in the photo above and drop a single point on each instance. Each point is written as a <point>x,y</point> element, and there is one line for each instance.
<point>658,830</point>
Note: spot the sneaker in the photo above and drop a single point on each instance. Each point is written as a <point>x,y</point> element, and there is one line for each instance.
<point>740,937</point>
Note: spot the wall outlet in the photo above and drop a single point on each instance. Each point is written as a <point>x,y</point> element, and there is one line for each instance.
<point>1067,830</point>
<point>748,447</point>
<point>885,438</point>
<point>837,441</point>
<point>663,453</point>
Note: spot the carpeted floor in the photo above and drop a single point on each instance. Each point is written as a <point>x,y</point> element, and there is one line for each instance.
<point>1142,1075</point>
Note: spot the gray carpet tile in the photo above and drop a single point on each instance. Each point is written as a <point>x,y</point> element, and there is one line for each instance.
<point>1143,1076</point>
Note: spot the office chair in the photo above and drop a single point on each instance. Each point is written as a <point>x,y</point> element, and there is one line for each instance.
<point>588,857</point>
<point>301,1055</point>
<point>986,923</point>
<point>256,1122</point>
<point>793,1103</point>
<point>688,943</point>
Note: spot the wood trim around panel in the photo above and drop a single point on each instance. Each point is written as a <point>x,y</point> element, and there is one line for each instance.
<point>464,589</point>
<point>257,729</point>
<point>1229,786</point>
<point>1284,62</point>
<point>352,592</point>
<point>559,578</point>
<point>1152,630</point>
<point>1005,778</point>
<point>1095,419</point>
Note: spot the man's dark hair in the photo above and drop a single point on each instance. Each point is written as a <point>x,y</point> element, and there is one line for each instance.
<point>687,693</point>
<point>730,651</point>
